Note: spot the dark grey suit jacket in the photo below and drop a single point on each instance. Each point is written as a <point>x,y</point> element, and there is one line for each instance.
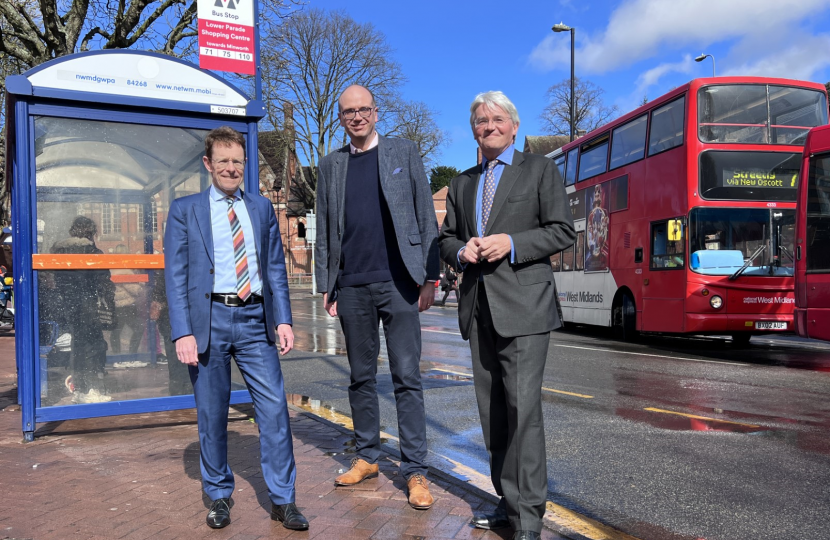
<point>406,189</point>
<point>531,206</point>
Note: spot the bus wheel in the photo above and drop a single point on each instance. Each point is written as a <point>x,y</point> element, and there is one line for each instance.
<point>741,340</point>
<point>624,318</point>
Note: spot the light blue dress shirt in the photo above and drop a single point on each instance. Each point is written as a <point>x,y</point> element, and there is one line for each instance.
<point>505,158</point>
<point>224,280</point>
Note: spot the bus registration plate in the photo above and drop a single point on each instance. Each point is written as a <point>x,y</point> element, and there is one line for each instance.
<point>770,325</point>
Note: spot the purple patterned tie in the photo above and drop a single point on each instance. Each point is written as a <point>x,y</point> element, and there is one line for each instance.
<point>240,257</point>
<point>488,193</point>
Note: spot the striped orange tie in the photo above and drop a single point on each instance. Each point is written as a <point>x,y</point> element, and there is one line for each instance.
<point>240,257</point>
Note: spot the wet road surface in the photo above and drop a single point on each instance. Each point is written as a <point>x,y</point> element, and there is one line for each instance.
<point>667,438</point>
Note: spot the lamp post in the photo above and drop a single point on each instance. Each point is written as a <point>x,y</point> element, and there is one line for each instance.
<point>703,57</point>
<point>565,28</point>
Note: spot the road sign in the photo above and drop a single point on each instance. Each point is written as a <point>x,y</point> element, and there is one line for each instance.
<point>227,39</point>
<point>311,227</point>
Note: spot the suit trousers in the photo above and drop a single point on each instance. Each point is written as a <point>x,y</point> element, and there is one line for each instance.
<point>507,374</point>
<point>360,309</point>
<point>239,332</point>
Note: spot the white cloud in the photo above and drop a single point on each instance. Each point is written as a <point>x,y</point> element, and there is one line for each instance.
<point>800,60</point>
<point>653,76</point>
<point>641,29</point>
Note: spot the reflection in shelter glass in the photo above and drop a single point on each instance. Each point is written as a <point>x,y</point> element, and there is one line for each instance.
<point>104,188</point>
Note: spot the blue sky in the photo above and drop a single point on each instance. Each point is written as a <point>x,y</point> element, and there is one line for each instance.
<point>451,50</point>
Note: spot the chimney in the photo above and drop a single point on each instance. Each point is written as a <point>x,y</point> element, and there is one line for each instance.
<point>290,137</point>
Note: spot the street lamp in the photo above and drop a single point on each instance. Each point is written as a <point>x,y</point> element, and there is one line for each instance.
<point>565,28</point>
<point>703,57</point>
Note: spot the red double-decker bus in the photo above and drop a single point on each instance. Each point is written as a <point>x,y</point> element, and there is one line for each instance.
<point>812,231</point>
<point>685,210</point>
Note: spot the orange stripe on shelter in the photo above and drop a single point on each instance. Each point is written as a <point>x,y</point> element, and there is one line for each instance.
<point>96,262</point>
<point>130,278</point>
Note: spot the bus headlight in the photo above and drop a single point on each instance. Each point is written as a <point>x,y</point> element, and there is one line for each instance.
<point>716,302</point>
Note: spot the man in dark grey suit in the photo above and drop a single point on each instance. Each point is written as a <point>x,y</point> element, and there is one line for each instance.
<point>505,218</point>
<point>376,259</point>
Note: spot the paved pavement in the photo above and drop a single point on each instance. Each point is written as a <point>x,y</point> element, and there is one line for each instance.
<point>137,477</point>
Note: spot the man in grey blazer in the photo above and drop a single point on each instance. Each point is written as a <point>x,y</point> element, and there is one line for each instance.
<point>505,218</point>
<point>376,260</point>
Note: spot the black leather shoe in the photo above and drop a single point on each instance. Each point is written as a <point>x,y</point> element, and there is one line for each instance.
<point>491,521</point>
<point>526,535</point>
<point>219,515</point>
<point>290,516</point>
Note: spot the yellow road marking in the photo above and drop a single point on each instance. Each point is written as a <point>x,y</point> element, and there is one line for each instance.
<point>583,525</point>
<point>568,393</point>
<point>557,515</point>
<point>652,409</point>
<point>453,372</point>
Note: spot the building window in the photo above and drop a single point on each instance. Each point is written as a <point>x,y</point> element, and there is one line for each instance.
<point>110,219</point>
<point>300,229</point>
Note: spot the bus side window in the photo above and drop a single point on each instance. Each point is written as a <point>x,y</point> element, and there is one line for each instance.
<point>560,165</point>
<point>570,168</point>
<point>667,241</point>
<point>667,126</point>
<point>568,259</point>
<point>579,261</point>
<point>556,262</point>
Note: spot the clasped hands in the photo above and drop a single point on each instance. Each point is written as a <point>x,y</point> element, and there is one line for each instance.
<point>489,248</point>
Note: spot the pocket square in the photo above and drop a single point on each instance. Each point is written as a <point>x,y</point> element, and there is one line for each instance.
<point>396,171</point>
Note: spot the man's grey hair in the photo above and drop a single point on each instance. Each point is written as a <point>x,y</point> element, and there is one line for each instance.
<point>491,99</point>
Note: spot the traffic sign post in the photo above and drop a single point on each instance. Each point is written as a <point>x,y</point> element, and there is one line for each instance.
<point>311,238</point>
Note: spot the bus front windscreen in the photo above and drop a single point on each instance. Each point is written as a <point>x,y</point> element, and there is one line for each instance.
<point>747,230</point>
<point>758,113</point>
<point>749,176</point>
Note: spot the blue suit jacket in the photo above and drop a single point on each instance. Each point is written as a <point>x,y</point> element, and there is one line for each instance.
<point>188,265</point>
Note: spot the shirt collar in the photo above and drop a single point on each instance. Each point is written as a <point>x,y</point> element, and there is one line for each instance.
<point>505,157</point>
<point>354,150</point>
<point>216,195</point>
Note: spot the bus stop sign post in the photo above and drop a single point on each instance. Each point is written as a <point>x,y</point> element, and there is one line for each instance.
<point>311,237</point>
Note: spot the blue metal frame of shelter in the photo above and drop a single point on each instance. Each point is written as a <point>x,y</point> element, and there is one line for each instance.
<point>26,101</point>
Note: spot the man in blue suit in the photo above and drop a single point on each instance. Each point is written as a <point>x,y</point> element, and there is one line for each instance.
<point>227,290</point>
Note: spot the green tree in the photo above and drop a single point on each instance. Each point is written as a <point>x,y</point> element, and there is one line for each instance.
<point>441,175</point>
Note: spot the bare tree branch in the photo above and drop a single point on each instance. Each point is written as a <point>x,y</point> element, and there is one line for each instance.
<point>591,112</point>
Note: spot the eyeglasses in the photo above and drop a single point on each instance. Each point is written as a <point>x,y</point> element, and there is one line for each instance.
<point>498,121</point>
<point>222,164</point>
<point>349,114</point>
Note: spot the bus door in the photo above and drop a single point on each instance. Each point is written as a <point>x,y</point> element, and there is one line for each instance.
<point>664,282</point>
<point>813,287</point>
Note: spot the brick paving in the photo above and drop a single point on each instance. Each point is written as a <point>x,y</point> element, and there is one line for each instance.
<point>137,477</point>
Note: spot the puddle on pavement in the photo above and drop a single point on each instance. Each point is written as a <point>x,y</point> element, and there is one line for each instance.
<point>676,422</point>
<point>444,376</point>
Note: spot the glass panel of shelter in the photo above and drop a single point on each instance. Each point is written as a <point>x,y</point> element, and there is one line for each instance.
<point>104,188</point>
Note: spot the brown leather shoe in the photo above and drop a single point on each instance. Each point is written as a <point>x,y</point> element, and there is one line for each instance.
<point>359,471</point>
<point>419,496</point>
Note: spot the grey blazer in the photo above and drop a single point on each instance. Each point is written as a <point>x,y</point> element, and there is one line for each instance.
<point>406,189</point>
<point>531,206</point>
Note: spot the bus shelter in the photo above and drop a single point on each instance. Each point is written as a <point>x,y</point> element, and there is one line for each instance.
<point>99,144</point>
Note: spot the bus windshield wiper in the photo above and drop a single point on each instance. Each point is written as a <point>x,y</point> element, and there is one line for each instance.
<point>752,257</point>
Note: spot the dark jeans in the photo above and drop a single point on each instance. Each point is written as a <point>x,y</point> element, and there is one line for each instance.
<point>361,308</point>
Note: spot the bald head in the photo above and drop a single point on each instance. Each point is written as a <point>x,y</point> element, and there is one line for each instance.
<point>355,91</point>
<point>358,115</point>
